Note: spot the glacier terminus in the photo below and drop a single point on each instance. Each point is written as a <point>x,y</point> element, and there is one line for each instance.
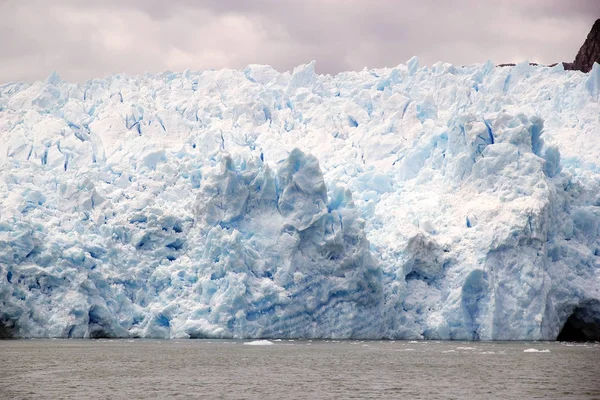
<point>415,202</point>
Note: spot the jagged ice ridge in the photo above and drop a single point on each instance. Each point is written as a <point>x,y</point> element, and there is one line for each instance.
<point>412,202</point>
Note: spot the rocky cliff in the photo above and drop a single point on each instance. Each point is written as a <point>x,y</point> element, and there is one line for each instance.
<point>589,52</point>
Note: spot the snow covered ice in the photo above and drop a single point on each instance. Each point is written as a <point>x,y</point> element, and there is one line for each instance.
<point>412,202</point>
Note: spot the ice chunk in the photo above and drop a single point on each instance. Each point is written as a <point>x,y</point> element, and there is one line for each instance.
<point>593,82</point>
<point>413,65</point>
<point>259,343</point>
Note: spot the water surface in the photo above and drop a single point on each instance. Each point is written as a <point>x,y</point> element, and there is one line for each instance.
<point>157,369</point>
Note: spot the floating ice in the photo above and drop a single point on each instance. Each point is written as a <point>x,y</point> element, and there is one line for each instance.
<point>536,351</point>
<point>259,343</point>
<point>412,202</point>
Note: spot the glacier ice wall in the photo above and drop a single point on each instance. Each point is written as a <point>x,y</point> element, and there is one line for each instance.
<point>434,202</point>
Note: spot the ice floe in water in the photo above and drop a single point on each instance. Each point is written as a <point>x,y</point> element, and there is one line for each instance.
<point>259,343</point>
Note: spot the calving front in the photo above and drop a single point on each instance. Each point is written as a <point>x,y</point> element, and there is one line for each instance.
<point>439,203</point>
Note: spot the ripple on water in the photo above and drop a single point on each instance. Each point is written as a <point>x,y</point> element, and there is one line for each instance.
<point>215,369</point>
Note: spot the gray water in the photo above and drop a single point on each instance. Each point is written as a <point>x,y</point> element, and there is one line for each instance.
<point>129,369</point>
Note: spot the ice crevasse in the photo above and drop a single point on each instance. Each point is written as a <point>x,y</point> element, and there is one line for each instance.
<point>412,202</point>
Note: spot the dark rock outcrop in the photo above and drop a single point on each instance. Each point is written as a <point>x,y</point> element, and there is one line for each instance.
<point>589,52</point>
<point>513,64</point>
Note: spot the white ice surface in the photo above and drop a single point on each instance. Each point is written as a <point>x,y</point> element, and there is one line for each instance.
<point>259,343</point>
<point>413,202</point>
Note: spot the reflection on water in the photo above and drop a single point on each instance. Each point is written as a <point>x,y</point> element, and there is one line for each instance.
<point>75,369</point>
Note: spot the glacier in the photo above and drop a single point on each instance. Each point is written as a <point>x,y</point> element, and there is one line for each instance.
<point>413,202</point>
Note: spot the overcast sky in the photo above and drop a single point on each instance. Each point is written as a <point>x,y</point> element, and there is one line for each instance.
<point>81,39</point>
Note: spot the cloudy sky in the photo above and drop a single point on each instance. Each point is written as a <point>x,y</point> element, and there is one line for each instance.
<point>81,39</point>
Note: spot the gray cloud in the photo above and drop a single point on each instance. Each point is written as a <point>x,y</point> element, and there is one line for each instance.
<point>81,39</point>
